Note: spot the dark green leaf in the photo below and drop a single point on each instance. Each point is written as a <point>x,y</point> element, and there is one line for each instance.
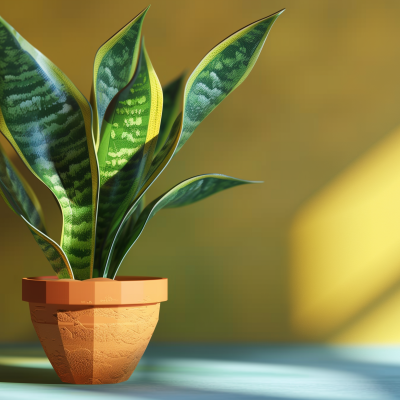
<point>187,192</point>
<point>172,94</point>
<point>114,66</point>
<point>20,197</point>
<point>130,128</point>
<point>48,122</point>
<point>221,71</point>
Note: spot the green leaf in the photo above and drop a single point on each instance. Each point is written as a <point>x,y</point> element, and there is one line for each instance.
<point>20,197</point>
<point>187,192</point>
<point>159,163</point>
<point>23,200</point>
<point>221,71</point>
<point>129,135</point>
<point>163,157</point>
<point>128,229</point>
<point>172,98</point>
<point>48,122</point>
<point>114,65</point>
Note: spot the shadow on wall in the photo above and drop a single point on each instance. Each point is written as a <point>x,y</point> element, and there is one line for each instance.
<point>345,253</point>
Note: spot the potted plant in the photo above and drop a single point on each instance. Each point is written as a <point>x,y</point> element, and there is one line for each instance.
<point>99,158</point>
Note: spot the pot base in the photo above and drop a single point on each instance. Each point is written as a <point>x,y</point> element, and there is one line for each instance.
<point>94,344</point>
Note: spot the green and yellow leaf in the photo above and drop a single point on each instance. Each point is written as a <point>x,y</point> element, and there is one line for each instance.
<point>20,197</point>
<point>49,124</point>
<point>114,66</point>
<point>187,192</point>
<point>159,164</point>
<point>129,135</point>
<point>220,72</point>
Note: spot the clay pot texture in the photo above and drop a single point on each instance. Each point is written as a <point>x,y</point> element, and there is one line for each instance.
<point>94,331</point>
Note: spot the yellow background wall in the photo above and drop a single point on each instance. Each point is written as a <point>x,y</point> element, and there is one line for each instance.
<point>313,254</point>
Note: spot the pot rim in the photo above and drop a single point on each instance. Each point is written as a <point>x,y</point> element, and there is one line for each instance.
<point>123,290</point>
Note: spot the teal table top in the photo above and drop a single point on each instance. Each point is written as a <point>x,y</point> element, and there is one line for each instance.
<point>221,372</point>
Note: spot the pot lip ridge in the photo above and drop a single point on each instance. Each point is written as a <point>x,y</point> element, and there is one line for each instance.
<point>124,290</point>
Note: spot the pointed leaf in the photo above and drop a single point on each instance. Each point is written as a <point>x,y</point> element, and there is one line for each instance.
<point>48,122</point>
<point>172,94</point>
<point>114,66</point>
<point>20,197</point>
<point>221,71</point>
<point>187,192</point>
<point>130,128</point>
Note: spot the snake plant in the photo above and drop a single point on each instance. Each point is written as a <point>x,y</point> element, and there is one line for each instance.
<point>99,158</point>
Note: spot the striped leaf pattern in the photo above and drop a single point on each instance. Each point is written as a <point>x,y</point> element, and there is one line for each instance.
<point>187,192</point>
<point>48,122</point>
<point>19,196</point>
<point>129,134</point>
<point>172,98</point>
<point>221,71</point>
<point>157,167</point>
<point>114,66</point>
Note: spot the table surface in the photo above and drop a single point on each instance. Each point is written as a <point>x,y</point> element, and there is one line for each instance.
<point>221,372</point>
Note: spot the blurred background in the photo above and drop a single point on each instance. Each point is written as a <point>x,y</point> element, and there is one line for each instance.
<point>312,254</point>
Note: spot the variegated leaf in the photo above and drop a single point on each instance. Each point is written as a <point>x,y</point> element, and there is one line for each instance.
<point>129,134</point>
<point>187,192</point>
<point>172,94</point>
<point>159,163</point>
<point>221,71</point>
<point>114,65</point>
<point>48,122</point>
<point>20,197</point>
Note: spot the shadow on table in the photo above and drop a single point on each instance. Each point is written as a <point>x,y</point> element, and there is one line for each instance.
<point>142,384</point>
<point>145,387</point>
<point>225,372</point>
<point>18,374</point>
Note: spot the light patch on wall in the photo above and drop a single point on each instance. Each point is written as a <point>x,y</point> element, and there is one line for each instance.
<point>345,253</point>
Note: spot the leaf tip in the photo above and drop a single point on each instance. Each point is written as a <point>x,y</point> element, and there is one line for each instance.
<point>273,16</point>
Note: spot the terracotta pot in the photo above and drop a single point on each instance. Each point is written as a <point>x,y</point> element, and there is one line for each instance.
<point>94,331</point>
